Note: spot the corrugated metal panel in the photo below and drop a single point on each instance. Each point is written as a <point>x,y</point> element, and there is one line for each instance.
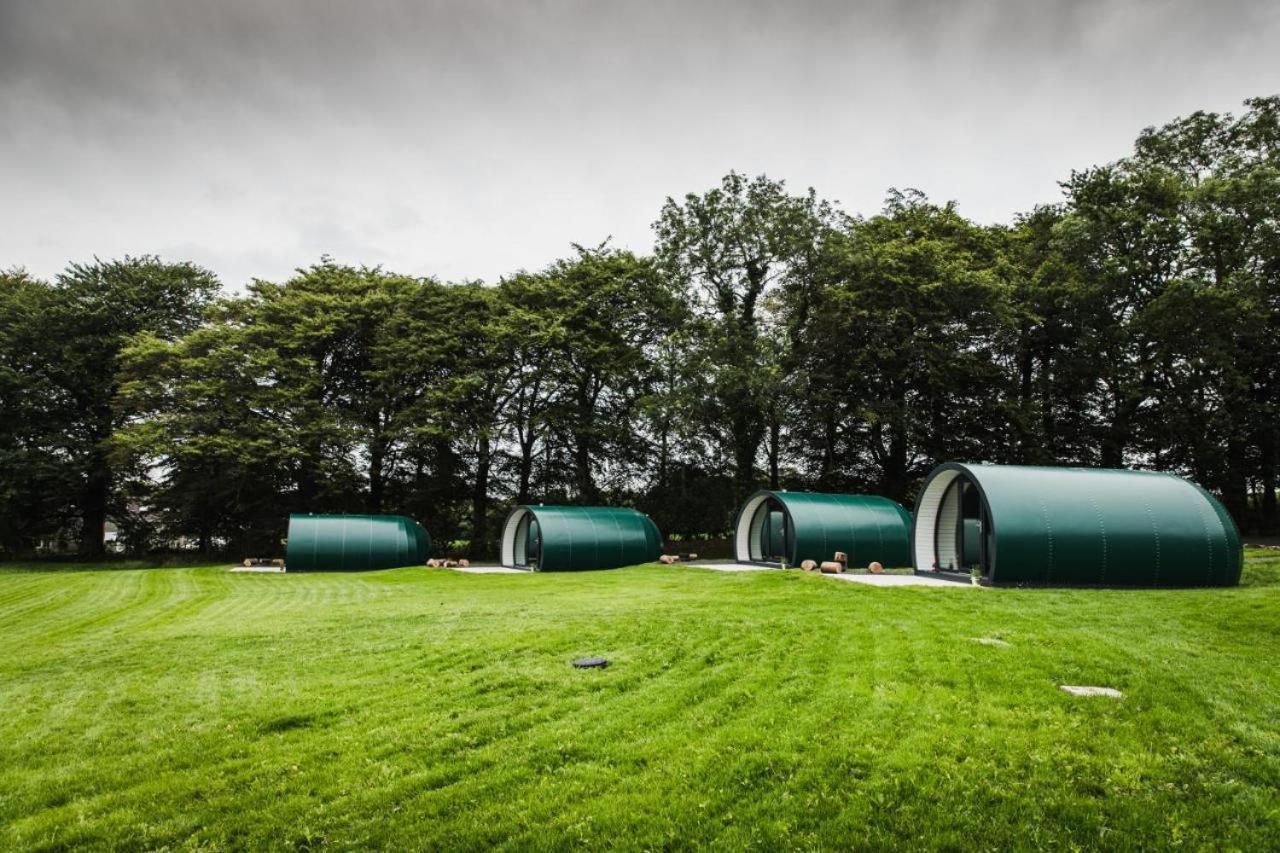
<point>1073,526</point>
<point>350,543</point>
<point>866,527</point>
<point>925,524</point>
<point>578,538</point>
<point>945,539</point>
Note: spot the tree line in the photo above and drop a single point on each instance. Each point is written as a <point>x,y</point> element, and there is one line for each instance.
<point>770,339</point>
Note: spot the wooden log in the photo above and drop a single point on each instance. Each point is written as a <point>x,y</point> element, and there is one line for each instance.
<point>875,568</point>
<point>809,565</point>
<point>831,567</point>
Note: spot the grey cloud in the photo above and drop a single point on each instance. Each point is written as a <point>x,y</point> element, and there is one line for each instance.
<point>469,139</point>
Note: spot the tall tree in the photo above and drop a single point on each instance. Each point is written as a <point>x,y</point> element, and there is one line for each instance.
<point>902,351</point>
<point>92,312</point>
<point>1224,317</point>
<point>37,467</point>
<point>1053,364</point>
<point>210,421</point>
<point>727,248</point>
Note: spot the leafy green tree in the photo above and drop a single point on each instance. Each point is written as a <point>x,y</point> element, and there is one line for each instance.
<point>462,367</point>
<point>902,353</point>
<point>76,329</point>
<point>207,421</point>
<point>1218,337</point>
<point>38,477</point>
<point>1124,234</point>
<point>727,248</point>
<point>1053,365</point>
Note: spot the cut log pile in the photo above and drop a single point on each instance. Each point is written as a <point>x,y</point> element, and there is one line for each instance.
<point>250,562</point>
<point>830,567</point>
<point>448,564</point>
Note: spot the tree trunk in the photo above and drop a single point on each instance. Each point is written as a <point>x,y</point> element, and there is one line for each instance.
<point>1268,520</point>
<point>1049,452</point>
<point>93,507</point>
<point>526,471</point>
<point>307,482</point>
<point>582,446</point>
<point>583,481</point>
<point>1117,437</point>
<point>744,461</point>
<point>775,438</point>
<point>663,454</point>
<point>896,463</point>
<point>480,501</point>
<point>828,450</point>
<point>1235,488</point>
<point>377,458</point>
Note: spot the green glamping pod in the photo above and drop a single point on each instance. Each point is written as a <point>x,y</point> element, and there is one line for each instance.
<point>353,543</point>
<point>797,526</point>
<point>1019,524</point>
<point>574,538</point>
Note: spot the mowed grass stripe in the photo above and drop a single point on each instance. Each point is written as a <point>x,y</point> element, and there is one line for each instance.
<point>416,708</point>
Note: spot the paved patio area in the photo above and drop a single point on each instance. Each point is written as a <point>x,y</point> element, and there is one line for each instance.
<point>899,580</point>
<point>851,577</point>
<point>489,570</point>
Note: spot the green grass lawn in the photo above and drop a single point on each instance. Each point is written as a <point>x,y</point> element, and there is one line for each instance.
<point>194,708</point>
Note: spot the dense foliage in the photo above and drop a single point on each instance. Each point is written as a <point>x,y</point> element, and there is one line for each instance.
<point>770,339</point>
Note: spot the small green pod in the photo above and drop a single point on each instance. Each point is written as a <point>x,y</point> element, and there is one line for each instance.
<point>353,543</point>
<point>578,538</point>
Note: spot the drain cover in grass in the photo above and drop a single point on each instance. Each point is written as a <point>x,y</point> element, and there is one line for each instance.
<point>1076,690</point>
<point>591,663</point>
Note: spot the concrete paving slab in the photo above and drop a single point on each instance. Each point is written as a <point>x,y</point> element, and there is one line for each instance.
<point>899,580</point>
<point>1083,690</point>
<point>489,570</point>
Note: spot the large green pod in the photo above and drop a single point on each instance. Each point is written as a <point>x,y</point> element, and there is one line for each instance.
<point>575,538</point>
<point>797,526</point>
<point>352,543</point>
<point>1073,526</point>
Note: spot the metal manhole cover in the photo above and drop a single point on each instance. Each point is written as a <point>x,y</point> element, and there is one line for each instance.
<point>591,663</point>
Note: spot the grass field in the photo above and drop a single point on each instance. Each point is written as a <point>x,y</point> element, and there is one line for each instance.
<point>417,708</point>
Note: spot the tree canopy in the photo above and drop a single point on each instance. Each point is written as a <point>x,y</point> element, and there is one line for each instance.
<point>770,339</point>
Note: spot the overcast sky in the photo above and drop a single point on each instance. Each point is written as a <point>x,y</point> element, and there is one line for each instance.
<point>469,139</point>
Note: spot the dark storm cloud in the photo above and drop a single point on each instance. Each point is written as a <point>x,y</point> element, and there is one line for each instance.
<point>469,139</point>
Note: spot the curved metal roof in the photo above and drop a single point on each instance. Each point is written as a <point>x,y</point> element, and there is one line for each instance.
<point>868,528</point>
<point>346,543</point>
<point>1090,526</point>
<point>577,538</point>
